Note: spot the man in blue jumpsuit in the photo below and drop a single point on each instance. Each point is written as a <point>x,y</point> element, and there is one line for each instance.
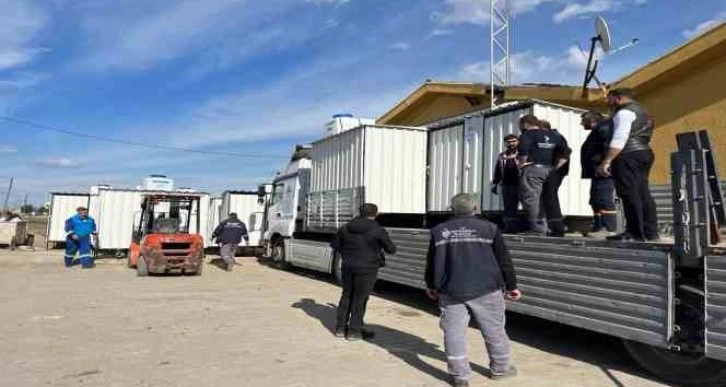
<point>79,229</point>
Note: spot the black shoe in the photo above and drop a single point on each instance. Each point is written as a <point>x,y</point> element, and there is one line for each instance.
<point>340,332</point>
<point>621,237</point>
<point>355,336</point>
<point>512,371</point>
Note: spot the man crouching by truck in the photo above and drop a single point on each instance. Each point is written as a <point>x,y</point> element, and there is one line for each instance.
<point>467,267</point>
<point>361,244</point>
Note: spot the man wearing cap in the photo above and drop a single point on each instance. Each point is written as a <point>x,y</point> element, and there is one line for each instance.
<point>79,229</point>
<point>506,174</point>
<point>229,234</point>
<point>602,188</point>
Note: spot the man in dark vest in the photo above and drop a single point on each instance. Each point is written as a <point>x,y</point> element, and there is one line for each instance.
<point>469,271</point>
<point>506,174</point>
<point>602,188</point>
<point>361,244</point>
<point>629,160</point>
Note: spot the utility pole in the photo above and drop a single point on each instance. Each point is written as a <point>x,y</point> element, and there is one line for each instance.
<point>25,202</point>
<point>499,67</point>
<point>7,195</point>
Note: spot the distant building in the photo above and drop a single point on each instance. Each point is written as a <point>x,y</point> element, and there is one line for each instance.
<point>683,90</point>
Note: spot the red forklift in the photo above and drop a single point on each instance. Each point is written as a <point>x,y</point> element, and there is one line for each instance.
<point>162,240</point>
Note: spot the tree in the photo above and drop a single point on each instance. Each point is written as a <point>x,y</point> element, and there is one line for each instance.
<point>27,209</point>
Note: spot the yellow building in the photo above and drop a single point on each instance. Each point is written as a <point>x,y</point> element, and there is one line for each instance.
<point>683,90</point>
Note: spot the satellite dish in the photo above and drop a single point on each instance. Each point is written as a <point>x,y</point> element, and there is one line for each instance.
<point>603,33</point>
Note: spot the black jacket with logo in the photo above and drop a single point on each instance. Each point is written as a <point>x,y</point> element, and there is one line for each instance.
<point>467,257</point>
<point>230,232</point>
<point>595,148</point>
<point>361,243</point>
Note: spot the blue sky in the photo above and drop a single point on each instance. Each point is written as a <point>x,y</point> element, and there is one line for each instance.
<point>257,77</point>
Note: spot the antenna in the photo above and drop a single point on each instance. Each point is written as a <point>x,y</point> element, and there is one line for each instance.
<point>602,35</point>
<point>499,69</point>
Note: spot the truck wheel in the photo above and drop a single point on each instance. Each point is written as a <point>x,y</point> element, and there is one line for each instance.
<point>683,369</point>
<point>278,254</point>
<point>142,269</point>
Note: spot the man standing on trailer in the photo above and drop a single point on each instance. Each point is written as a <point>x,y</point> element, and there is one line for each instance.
<point>467,269</point>
<point>506,174</point>
<point>602,199</point>
<point>629,160</point>
<point>537,154</point>
<point>550,208</point>
<point>79,230</point>
<point>229,234</point>
<point>361,244</point>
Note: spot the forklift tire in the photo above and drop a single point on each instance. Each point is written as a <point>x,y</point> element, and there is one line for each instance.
<point>338,269</point>
<point>142,270</point>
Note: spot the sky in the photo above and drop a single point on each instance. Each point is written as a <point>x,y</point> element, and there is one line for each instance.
<point>240,82</point>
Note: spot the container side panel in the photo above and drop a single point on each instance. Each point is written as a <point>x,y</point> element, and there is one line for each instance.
<point>473,148</point>
<point>62,208</point>
<point>445,166</point>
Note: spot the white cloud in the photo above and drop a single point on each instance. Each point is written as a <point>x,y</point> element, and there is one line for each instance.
<point>575,10</point>
<point>440,32</point>
<point>20,22</point>
<point>8,149</point>
<point>530,67</point>
<point>477,11</point>
<point>21,81</point>
<point>400,46</point>
<point>58,162</point>
<point>705,26</point>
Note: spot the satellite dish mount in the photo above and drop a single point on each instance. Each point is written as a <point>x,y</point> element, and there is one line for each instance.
<point>602,36</point>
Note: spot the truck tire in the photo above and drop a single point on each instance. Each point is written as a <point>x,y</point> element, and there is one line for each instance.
<point>278,254</point>
<point>683,369</point>
<point>142,269</point>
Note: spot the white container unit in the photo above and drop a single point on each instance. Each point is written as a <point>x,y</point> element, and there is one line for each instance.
<point>119,211</point>
<point>248,210</point>
<point>386,163</point>
<point>343,122</point>
<point>157,183</point>
<point>62,207</point>
<point>463,151</point>
<point>215,210</point>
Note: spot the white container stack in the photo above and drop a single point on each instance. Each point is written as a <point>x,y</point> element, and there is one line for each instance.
<point>463,152</point>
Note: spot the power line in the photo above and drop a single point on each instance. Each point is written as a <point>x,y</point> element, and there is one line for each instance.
<point>133,143</point>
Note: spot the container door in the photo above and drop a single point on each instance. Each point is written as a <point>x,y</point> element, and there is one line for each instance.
<point>445,162</point>
<point>473,160</point>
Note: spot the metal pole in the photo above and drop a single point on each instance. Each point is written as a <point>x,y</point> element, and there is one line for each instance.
<point>492,62</point>
<point>7,195</point>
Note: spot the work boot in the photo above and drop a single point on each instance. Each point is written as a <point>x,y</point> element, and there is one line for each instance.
<point>622,237</point>
<point>68,261</point>
<point>340,332</point>
<point>512,371</point>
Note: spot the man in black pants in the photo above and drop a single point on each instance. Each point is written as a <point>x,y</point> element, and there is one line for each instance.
<point>602,188</point>
<point>506,174</point>
<point>628,161</point>
<point>550,209</point>
<point>361,244</point>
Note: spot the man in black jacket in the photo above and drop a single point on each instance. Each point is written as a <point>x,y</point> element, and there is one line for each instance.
<point>361,244</point>
<point>550,209</point>
<point>602,188</point>
<point>229,234</point>
<point>468,267</point>
<point>506,174</point>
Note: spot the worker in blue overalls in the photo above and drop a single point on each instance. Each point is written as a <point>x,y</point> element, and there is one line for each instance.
<point>79,229</point>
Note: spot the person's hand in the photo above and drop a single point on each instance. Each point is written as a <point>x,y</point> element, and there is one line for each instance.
<point>514,295</point>
<point>604,170</point>
<point>74,237</point>
<point>495,189</point>
<point>432,294</point>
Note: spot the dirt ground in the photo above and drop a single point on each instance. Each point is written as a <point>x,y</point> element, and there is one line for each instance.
<point>256,326</point>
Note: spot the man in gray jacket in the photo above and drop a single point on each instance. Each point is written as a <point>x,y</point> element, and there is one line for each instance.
<point>468,269</point>
<point>229,234</point>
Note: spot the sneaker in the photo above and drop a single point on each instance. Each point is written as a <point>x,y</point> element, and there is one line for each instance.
<point>512,371</point>
<point>459,382</point>
<point>340,332</point>
<point>621,237</point>
<point>601,234</point>
<point>355,336</point>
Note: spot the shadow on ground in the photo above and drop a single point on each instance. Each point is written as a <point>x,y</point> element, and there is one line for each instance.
<point>404,345</point>
<point>603,351</point>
